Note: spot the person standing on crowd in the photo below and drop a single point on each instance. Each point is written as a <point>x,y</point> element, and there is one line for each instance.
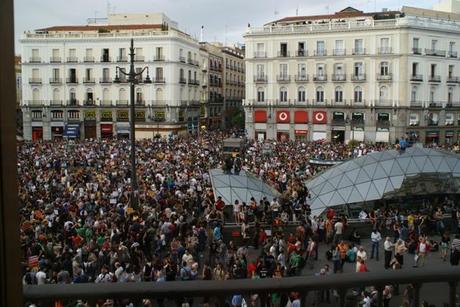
<point>445,240</point>
<point>400,250</point>
<point>421,252</point>
<point>338,227</point>
<point>376,237</point>
<point>455,250</point>
<point>388,249</point>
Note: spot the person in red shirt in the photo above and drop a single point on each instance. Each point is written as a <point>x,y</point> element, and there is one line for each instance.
<point>220,204</point>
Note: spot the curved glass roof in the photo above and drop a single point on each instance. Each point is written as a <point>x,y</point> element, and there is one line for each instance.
<point>383,175</point>
<point>240,187</point>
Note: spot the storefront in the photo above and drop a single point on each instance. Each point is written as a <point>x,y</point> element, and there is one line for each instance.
<point>72,130</point>
<point>57,131</point>
<point>90,124</point>
<point>106,131</point>
<point>123,129</point>
<point>432,137</point>
<point>301,135</point>
<point>37,133</point>
<point>319,125</point>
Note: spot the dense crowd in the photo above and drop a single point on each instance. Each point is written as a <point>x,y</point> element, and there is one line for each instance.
<point>78,225</point>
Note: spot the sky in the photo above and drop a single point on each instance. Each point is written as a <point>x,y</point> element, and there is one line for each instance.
<point>223,20</point>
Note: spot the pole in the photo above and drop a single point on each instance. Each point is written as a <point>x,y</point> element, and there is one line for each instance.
<point>132,79</point>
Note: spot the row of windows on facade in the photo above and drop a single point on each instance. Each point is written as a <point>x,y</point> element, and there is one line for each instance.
<point>89,73</point>
<point>432,119</point>
<point>233,63</point>
<point>320,96</point>
<point>106,94</point>
<point>106,53</point>
<point>358,69</point>
<point>384,46</point>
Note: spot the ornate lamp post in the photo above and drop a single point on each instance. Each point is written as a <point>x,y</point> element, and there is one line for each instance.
<point>132,79</point>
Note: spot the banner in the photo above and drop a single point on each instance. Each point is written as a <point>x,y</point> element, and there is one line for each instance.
<point>319,117</point>
<point>122,115</point>
<point>283,117</point>
<point>106,116</point>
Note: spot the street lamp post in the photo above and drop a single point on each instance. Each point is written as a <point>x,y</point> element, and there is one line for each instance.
<point>132,79</point>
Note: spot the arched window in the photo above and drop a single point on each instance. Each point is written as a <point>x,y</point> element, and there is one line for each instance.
<point>432,94</point>
<point>106,97</point>
<point>89,96</point>
<point>56,95</point>
<point>338,94</point>
<point>122,96</point>
<point>72,97</point>
<point>358,94</point>
<point>283,94</point>
<point>301,94</point>
<point>36,95</point>
<point>159,96</point>
<point>319,94</point>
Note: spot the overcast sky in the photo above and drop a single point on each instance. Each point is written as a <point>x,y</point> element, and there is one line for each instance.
<point>224,20</point>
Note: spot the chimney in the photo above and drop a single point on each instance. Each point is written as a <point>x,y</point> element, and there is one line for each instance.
<point>202,34</point>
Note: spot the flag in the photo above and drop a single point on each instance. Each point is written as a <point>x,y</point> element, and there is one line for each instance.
<point>33,261</point>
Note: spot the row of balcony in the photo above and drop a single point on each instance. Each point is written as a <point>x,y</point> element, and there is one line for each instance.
<point>351,102</point>
<point>190,81</point>
<point>434,78</point>
<point>105,103</point>
<point>102,59</point>
<point>322,78</point>
<point>356,51</point>
<point>37,81</point>
<point>324,52</point>
<point>234,82</point>
<point>234,68</point>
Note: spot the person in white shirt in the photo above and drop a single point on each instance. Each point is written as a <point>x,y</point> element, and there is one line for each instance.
<point>338,227</point>
<point>388,248</point>
<point>375,238</point>
<point>422,250</point>
<point>41,277</point>
<point>361,253</point>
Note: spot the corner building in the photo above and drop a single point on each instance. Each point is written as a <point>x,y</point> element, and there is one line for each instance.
<point>352,75</point>
<point>69,72</point>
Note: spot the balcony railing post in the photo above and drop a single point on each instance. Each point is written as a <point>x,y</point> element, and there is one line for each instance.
<point>342,295</point>
<point>379,296</point>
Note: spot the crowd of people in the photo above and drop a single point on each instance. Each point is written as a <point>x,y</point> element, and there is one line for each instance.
<point>78,224</point>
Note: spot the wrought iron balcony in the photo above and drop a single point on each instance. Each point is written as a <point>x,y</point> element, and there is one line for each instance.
<point>260,54</point>
<point>89,103</point>
<point>72,80</point>
<point>434,52</point>
<point>35,59</point>
<point>105,80</point>
<point>158,58</point>
<point>417,51</point>
<point>385,50</point>
<point>182,59</point>
<point>89,80</point>
<point>35,80</point>
<point>139,58</point>
<point>358,77</point>
<point>452,79</point>
<point>122,103</point>
<point>72,59</point>
<point>88,59</point>
<point>452,54</point>
<point>301,78</point>
<point>72,102</point>
<point>384,77</point>
<point>260,79</point>
<point>417,78</point>
<point>320,52</point>
<point>339,52</point>
<point>56,103</point>
<point>106,59</point>
<point>434,78</point>
<point>55,59</point>
<point>358,51</point>
<point>301,53</point>
<point>283,54</point>
<point>122,58</point>
<point>320,78</point>
<point>55,80</point>
<point>182,80</point>
<point>35,103</point>
<point>283,78</point>
<point>339,77</point>
<point>159,80</point>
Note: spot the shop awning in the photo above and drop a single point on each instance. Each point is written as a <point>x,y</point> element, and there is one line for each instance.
<point>432,134</point>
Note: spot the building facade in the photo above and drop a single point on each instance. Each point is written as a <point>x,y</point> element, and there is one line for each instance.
<point>233,85</point>
<point>69,72</point>
<point>371,77</point>
<point>213,110</point>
